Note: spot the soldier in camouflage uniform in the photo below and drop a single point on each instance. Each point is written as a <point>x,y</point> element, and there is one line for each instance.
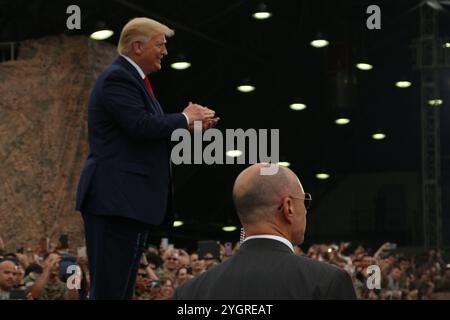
<point>49,286</point>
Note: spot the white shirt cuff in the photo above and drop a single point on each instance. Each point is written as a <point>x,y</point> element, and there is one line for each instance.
<point>187,119</point>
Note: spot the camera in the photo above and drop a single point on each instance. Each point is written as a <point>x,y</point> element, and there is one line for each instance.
<point>392,246</point>
<point>155,284</point>
<point>228,249</point>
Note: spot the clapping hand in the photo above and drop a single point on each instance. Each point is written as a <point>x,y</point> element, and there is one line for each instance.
<point>196,112</point>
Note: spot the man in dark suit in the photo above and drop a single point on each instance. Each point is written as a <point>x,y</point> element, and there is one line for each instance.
<point>272,210</point>
<point>126,184</point>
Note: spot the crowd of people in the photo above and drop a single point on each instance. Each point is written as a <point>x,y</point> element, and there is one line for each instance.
<point>36,273</point>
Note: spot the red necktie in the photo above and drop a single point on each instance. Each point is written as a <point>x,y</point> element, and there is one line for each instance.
<point>149,86</point>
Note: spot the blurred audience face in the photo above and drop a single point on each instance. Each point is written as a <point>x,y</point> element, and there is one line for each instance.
<point>433,271</point>
<point>53,260</point>
<point>141,281</point>
<point>182,276</point>
<point>359,250</point>
<point>8,277</point>
<point>167,288</point>
<point>184,258</point>
<point>390,260</point>
<point>209,260</point>
<point>141,275</point>
<point>367,260</point>
<point>424,276</point>
<point>171,260</point>
<point>429,290</point>
<point>197,264</point>
<point>20,275</point>
<point>404,264</point>
<point>412,295</point>
<point>42,247</point>
<point>396,273</point>
<point>372,295</point>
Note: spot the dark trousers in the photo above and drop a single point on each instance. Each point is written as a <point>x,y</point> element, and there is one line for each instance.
<point>114,247</point>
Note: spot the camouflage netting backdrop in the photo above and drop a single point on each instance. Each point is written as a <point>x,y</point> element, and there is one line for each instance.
<point>43,136</point>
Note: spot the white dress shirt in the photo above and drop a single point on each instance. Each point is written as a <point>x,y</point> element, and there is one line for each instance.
<point>269,236</point>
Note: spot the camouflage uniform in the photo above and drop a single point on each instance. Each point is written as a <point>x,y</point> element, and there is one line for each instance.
<point>56,290</point>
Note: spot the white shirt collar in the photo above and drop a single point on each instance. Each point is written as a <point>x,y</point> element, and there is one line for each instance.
<point>138,69</point>
<point>269,236</point>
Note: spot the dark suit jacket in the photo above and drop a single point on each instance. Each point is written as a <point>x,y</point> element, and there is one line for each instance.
<point>268,269</point>
<point>128,171</point>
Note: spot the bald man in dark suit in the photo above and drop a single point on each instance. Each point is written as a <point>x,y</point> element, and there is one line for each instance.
<point>272,210</point>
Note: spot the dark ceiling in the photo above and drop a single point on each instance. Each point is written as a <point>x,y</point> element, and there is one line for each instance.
<point>225,44</point>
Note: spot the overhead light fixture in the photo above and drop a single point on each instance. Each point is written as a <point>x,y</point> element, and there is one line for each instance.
<point>101,34</point>
<point>101,31</point>
<point>342,121</point>
<point>180,63</point>
<point>262,13</point>
<point>246,86</point>
<point>284,164</point>
<point>322,175</point>
<point>364,66</point>
<point>233,153</point>
<point>446,45</point>
<point>319,41</point>
<point>378,136</point>
<point>178,223</point>
<point>435,102</point>
<point>403,84</point>
<point>229,228</point>
<point>296,106</point>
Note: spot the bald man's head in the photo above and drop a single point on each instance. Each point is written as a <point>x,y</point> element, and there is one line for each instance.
<point>257,195</point>
<point>8,270</point>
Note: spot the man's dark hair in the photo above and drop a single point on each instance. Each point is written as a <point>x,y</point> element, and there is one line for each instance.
<point>47,254</point>
<point>15,261</point>
<point>188,271</point>
<point>142,266</point>
<point>12,257</point>
<point>154,258</point>
<point>34,267</point>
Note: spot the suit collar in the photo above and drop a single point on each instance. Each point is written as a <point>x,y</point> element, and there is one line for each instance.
<point>121,61</point>
<point>277,238</point>
<point>265,244</point>
<point>135,65</point>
